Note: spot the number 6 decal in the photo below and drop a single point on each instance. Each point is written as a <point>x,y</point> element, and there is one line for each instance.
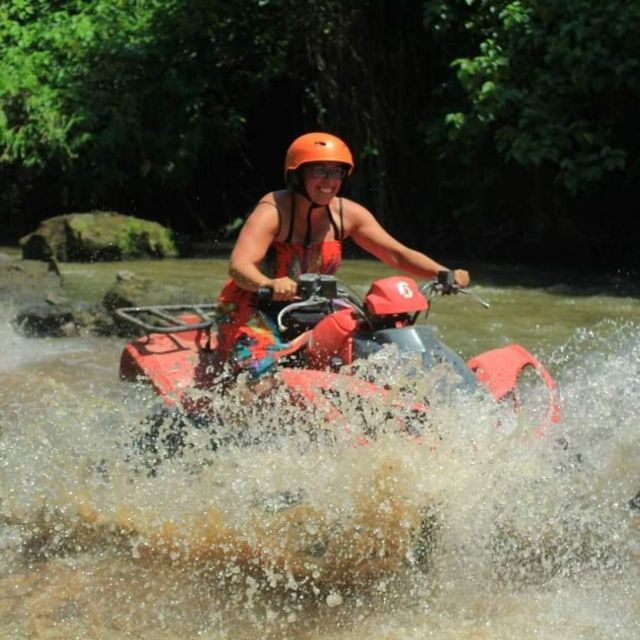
<point>404,289</point>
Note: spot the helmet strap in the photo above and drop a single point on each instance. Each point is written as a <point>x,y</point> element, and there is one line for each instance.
<point>297,185</point>
<point>297,182</point>
<point>307,233</point>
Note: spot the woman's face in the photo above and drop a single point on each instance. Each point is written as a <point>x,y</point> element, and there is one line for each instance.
<point>322,180</point>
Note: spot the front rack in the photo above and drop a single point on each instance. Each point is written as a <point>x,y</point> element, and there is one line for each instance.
<point>167,318</point>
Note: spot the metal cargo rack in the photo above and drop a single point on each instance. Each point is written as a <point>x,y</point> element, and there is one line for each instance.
<point>166,318</point>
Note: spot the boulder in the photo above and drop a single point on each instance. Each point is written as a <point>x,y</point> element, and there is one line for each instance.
<point>54,315</point>
<point>98,236</point>
<point>40,320</point>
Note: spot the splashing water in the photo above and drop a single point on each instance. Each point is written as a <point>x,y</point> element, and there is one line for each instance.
<point>478,529</point>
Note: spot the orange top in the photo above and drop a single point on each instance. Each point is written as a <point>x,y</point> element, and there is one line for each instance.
<point>286,258</point>
<point>292,260</point>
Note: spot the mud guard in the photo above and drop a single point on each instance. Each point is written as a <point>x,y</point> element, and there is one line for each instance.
<point>498,370</point>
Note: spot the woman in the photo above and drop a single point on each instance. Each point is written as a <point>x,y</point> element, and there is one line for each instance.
<point>297,230</point>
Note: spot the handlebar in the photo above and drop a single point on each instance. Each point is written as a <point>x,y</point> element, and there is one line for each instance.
<point>309,285</point>
<point>316,290</point>
<point>265,294</point>
<point>444,284</point>
<point>476,297</point>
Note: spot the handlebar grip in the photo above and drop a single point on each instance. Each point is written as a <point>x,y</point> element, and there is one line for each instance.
<point>265,294</point>
<point>447,281</point>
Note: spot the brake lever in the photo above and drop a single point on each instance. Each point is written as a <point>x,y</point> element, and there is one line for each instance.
<point>446,285</point>
<point>475,296</point>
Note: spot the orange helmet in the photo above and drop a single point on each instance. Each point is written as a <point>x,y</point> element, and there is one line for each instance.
<point>317,147</point>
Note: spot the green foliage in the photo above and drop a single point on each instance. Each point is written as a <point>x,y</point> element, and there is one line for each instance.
<point>124,90</point>
<point>548,84</point>
<point>469,118</point>
<point>34,125</point>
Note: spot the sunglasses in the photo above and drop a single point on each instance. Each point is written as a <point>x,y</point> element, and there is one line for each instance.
<point>318,171</point>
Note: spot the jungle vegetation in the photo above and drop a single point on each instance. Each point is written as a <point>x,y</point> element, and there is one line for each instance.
<point>481,128</point>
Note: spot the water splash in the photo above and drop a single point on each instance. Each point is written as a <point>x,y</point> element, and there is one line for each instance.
<point>319,533</point>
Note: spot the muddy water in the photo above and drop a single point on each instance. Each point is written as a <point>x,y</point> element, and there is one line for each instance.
<point>316,539</point>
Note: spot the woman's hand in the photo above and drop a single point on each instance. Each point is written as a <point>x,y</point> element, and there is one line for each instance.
<point>284,289</point>
<point>461,277</point>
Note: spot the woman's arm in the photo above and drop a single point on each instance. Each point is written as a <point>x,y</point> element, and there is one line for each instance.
<point>254,240</point>
<point>367,233</point>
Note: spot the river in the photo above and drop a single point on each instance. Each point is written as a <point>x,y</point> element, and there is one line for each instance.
<point>534,538</point>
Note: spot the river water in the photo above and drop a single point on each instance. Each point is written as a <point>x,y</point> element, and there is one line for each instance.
<point>532,537</point>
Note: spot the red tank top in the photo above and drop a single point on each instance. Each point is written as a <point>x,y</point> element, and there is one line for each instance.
<point>286,258</point>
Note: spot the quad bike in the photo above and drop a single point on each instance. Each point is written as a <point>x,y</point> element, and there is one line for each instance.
<point>329,329</point>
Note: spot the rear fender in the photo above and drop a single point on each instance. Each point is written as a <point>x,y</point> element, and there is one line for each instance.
<point>499,370</point>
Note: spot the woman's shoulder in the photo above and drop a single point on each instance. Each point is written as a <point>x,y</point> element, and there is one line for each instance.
<point>274,198</point>
<point>269,204</point>
<point>352,208</point>
<point>267,212</point>
<point>355,216</point>
<point>348,202</point>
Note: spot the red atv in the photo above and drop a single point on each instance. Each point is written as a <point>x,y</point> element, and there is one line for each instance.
<point>329,329</point>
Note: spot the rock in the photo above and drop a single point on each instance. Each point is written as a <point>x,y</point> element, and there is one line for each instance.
<point>125,276</point>
<point>98,236</point>
<point>94,319</point>
<point>46,320</point>
<point>54,297</point>
<point>45,308</point>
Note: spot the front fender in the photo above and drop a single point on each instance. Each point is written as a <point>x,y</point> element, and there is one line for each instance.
<point>499,369</point>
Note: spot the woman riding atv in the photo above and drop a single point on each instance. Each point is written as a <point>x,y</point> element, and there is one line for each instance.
<point>296,230</point>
